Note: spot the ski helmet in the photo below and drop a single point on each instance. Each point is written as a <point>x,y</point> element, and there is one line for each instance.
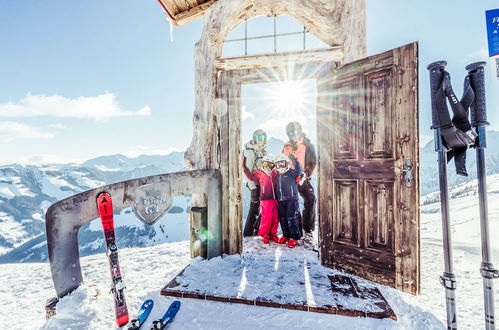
<point>267,164</point>
<point>294,129</point>
<point>259,136</point>
<point>282,163</point>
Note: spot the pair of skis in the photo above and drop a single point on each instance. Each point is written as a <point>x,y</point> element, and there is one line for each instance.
<point>105,208</point>
<point>146,309</point>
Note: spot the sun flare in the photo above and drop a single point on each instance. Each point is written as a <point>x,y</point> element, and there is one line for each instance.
<point>289,97</point>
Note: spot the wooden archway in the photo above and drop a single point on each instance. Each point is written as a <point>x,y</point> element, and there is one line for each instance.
<point>339,23</point>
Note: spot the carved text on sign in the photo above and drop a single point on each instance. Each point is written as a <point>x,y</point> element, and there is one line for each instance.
<point>151,202</point>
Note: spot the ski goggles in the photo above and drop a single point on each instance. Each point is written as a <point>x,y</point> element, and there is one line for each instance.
<point>281,164</point>
<point>267,164</point>
<point>294,133</point>
<point>259,138</point>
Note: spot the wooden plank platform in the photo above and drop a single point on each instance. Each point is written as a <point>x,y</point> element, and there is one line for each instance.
<point>278,277</point>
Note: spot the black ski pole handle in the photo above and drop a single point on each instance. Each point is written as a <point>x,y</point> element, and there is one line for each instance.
<point>437,71</point>
<point>476,72</point>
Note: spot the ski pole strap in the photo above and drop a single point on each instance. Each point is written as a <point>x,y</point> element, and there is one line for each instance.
<point>488,271</point>
<point>457,133</point>
<point>448,281</point>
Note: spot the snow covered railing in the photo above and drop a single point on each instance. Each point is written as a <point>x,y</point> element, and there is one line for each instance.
<point>64,218</point>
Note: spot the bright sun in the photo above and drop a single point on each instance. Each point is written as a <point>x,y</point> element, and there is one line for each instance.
<point>289,97</point>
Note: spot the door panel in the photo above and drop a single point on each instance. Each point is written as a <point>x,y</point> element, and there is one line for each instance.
<point>367,129</point>
<point>379,107</point>
<point>346,229</point>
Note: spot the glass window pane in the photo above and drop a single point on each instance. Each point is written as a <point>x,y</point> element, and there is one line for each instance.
<point>312,42</point>
<point>260,26</point>
<point>261,46</point>
<point>287,24</point>
<point>290,43</point>
<point>237,32</point>
<point>263,26</point>
<point>235,48</point>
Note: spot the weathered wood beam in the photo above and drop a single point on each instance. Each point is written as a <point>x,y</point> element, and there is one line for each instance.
<point>192,14</point>
<point>170,9</point>
<point>261,61</point>
<point>181,4</point>
<point>192,3</point>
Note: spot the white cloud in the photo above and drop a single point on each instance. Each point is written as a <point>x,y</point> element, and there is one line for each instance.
<point>57,126</point>
<point>281,123</point>
<point>245,114</point>
<point>10,131</point>
<point>100,108</point>
<point>138,150</point>
<point>478,55</point>
<point>49,159</point>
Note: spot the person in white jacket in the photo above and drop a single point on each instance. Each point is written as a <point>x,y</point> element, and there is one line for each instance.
<point>253,153</point>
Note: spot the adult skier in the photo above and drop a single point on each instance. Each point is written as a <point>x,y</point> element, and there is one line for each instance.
<point>304,151</point>
<point>253,153</point>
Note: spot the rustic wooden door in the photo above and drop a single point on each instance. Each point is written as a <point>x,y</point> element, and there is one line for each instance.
<point>368,168</point>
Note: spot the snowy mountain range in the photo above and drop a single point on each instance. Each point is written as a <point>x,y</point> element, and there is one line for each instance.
<point>26,192</point>
<point>429,167</point>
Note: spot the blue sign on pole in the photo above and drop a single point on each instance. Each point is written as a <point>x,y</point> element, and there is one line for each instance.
<point>492,17</point>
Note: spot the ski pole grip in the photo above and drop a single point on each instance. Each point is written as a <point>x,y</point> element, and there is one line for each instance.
<point>476,72</point>
<point>436,73</point>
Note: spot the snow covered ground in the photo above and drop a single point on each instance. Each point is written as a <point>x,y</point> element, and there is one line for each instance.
<point>25,287</point>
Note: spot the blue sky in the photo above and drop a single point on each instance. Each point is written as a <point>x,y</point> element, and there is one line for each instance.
<point>59,58</point>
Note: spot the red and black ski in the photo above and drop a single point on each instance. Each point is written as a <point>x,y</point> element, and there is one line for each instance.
<point>105,207</point>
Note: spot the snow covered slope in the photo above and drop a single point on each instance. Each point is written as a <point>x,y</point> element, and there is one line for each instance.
<point>146,271</point>
<point>24,287</point>
<point>26,192</point>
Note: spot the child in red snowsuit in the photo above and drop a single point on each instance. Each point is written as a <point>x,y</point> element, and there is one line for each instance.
<point>268,204</point>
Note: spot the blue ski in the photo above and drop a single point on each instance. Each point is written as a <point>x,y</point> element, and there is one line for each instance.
<point>144,311</point>
<point>169,315</point>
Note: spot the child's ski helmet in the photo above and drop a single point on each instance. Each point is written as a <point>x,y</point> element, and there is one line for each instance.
<point>267,164</point>
<point>282,163</point>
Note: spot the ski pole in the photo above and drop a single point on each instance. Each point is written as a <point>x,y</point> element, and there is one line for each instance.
<point>448,279</point>
<point>479,121</point>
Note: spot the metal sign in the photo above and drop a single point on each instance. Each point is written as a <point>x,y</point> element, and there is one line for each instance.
<point>151,201</point>
<point>492,17</point>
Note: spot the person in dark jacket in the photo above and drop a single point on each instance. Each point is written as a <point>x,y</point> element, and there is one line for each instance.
<point>304,151</point>
<point>288,207</point>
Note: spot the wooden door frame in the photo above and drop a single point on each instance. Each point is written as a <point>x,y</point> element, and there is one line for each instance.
<point>232,72</point>
<point>318,65</point>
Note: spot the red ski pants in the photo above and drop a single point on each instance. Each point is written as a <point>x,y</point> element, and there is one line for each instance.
<point>270,220</point>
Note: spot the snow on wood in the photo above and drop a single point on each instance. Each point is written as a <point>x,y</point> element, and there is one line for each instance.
<point>276,276</point>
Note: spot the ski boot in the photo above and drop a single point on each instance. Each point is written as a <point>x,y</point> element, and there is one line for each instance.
<point>283,240</point>
<point>274,238</point>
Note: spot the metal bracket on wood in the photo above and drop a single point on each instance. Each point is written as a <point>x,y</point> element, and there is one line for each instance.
<point>64,218</point>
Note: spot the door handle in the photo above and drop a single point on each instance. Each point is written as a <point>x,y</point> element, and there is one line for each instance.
<point>407,170</point>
